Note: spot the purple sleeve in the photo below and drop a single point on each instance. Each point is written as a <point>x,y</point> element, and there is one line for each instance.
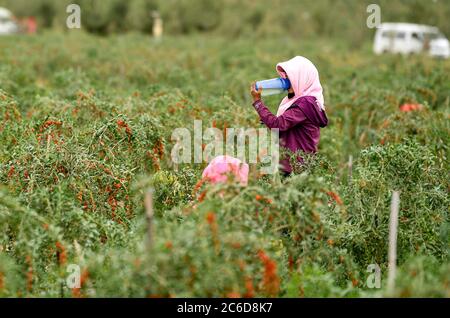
<point>291,117</point>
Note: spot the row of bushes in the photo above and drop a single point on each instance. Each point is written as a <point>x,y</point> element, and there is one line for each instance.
<point>230,17</point>
<point>71,195</point>
<point>86,131</point>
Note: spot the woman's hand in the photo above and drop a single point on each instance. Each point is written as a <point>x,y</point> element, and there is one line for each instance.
<point>256,94</point>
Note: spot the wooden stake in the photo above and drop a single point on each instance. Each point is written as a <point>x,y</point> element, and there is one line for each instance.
<point>148,203</point>
<point>49,139</point>
<point>393,223</point>
<point>350,168</point>
<point>78,252</point>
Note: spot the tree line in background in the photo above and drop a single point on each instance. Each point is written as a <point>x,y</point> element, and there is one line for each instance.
<point>345,19</point>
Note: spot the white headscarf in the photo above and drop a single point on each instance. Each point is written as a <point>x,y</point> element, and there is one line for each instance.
<point>304,79</point>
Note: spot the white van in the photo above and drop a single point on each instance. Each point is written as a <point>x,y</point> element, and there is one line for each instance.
<point>408,38</point>
<point>7,23</point>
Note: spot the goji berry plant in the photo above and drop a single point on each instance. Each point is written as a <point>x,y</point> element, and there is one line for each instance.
<point>85,130</point>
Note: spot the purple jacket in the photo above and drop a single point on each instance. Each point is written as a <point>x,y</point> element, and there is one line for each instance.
<point>299,125</point>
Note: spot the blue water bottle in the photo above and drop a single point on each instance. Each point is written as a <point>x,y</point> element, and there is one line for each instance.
<point>273,86</point>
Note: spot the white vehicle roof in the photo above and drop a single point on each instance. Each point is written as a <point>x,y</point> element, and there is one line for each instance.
<point>408,27</point>
<point>5,13</point>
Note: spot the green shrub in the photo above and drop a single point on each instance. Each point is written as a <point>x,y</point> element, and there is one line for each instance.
<point>86,131</point>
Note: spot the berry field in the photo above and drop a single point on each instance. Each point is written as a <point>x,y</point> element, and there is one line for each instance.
<point>85,131</point>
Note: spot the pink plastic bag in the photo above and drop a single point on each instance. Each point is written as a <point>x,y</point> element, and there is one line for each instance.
<point>222,167</point>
